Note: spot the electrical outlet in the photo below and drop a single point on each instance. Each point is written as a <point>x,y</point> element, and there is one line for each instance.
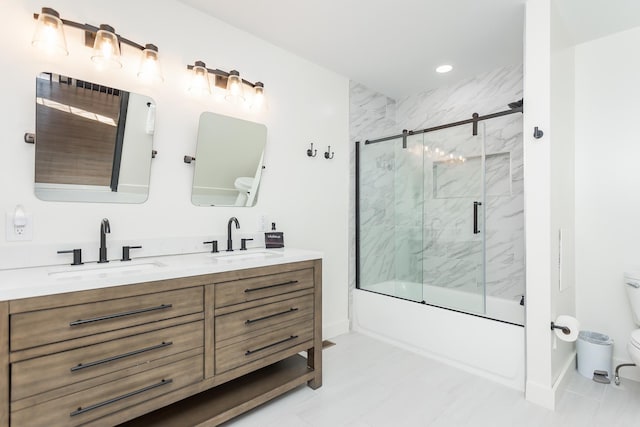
<point>262,222</point>
<point>15,232</point>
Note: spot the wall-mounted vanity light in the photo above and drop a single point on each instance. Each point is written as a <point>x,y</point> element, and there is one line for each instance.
<point>49,36</point>
<point>231,82</point>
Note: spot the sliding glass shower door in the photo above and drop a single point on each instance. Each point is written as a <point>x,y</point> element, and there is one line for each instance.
<point>421,218</point>
<point>453,218</point>
<point>441,217</point>
<point>391,188</point>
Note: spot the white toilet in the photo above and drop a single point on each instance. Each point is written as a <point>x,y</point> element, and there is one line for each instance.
<point>243,184</point>
<point>632,285</point>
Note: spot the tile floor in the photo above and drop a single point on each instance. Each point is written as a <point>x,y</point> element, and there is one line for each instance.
<point>368,383</point>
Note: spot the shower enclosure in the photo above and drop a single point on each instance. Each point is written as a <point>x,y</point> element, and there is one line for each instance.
<point>439,216</point>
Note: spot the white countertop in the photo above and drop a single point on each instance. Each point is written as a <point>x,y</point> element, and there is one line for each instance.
<point>39,281</point>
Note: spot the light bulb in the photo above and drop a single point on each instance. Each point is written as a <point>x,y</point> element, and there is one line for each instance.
<point>149,70</point>
<point>106,48</point>
<point>235,91</point>
<point>259,103</point>
<point>200,79</point>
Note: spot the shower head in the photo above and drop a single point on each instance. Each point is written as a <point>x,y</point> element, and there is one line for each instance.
<point>517,104</point>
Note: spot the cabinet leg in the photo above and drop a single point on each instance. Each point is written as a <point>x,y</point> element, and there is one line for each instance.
<point>314,361</point>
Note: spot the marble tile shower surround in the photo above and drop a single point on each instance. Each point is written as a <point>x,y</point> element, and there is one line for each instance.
<point>370,115</point>
<point>486,93</point>
<point>404,245</point>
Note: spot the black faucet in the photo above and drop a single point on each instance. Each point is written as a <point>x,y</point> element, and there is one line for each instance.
<point>229,241</point>
<point>104,229</point>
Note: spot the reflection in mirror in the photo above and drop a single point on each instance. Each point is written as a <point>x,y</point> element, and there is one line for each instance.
<point>228,163</point>
<point>93,143</point>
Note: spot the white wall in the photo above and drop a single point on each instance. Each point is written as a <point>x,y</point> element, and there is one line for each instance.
<point>308,198</point>
<point>562,256</point>
<point>607,184</point>
<point>537,201</point>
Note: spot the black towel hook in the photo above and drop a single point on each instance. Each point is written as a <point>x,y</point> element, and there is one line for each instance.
<point>537,133</point>
<point>311,152</point>
<point>326,153</point>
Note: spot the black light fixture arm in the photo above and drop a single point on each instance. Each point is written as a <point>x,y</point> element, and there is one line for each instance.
<point>224,74</point>
<point>91,29</point>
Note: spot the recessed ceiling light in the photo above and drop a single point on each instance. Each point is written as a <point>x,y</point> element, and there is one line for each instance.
<point>444,68</point>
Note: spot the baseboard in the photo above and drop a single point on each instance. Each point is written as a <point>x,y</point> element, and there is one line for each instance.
<point>546,396</point>
<point>539,394</point>
<point>563,379</point>
<point>334,329</point>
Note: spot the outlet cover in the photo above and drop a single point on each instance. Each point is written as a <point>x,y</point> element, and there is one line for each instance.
<point>23,233</point>
<point>262,222</point>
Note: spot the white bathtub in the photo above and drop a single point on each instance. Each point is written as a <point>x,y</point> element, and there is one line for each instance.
<point>489,348</point>
<point>496,308</point>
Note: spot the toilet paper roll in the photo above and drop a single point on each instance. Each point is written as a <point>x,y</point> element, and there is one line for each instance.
<point>569,322</point>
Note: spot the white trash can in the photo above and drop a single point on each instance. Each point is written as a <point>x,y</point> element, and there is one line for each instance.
<point>595,353</point>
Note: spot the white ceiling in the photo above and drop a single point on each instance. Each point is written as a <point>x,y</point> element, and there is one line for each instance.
<point>587,20</point>
<point>393,46</point>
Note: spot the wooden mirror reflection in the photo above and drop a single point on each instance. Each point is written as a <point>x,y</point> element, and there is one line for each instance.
<point>93,142</point>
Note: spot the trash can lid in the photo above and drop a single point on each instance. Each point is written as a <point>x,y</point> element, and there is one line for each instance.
<point>595,338</point>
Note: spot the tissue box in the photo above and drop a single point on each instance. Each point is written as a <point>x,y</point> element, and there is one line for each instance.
<point>274,239</point>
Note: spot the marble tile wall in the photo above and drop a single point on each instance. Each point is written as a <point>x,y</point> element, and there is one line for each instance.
<point>417,230</point>
<point>371,115</point>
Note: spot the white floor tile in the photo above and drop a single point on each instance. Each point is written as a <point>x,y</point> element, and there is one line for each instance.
<point>368,383</point>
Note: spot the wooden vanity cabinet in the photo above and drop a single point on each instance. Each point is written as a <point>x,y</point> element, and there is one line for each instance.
<point>190,351</point>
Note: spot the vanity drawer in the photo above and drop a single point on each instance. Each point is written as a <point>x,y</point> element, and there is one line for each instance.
<point>58,370</point>
<point>42,327</point>
<point>94,403</point>
<point>262,317</point>
<point>239,291</point>
<point>255,347</point>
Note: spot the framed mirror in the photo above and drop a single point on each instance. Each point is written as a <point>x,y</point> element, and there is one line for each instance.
<point>93,142</point>
<point>229,158</point>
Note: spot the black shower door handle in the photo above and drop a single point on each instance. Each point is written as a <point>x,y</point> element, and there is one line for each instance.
<point>476,230</point>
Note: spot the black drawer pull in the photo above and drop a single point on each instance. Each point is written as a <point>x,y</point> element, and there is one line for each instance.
<point>290,282</point>
<point>116,399</point>
<point>116,315</point>
<point>250,352</point>
<point>80,366</point>
<point>250,321</point>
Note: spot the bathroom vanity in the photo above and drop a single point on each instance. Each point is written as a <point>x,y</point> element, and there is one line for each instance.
<point>174,341</point>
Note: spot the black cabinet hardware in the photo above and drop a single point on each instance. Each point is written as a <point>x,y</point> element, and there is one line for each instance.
<point>290,282</point>
<point>250,352</point>
<point>250,321</point>
<point>118,315</point>
<point>86,409</point>
<point>81,366</point>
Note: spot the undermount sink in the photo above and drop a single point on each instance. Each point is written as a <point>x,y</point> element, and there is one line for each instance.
<point>95,270</point>
<point>237,255</point>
